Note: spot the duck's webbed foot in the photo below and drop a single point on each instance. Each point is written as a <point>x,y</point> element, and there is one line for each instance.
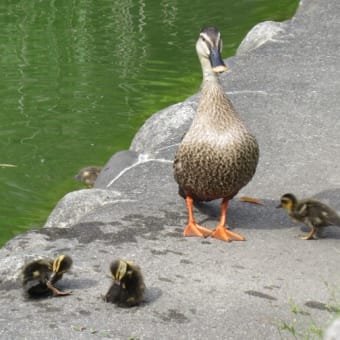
<point>249,199</point>
<point>221,232</point>
<point>56,291</point>
<point>224,234</point>
<point>193,229</point>
<point>310,235</point>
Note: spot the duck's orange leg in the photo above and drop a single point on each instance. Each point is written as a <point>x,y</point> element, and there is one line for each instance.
<point>221,232</point>
<point>56,291</point>
<point>309,236</point>
<point>192,228</point>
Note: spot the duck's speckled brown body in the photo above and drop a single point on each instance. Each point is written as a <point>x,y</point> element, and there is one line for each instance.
<point>218,155</point>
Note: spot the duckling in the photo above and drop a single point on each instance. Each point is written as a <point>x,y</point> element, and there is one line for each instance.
<point>39,276</point>
<point>34,277</point>
<point>218,156</point>
<point>313,213</point>
<point>88,175</point>
<point>128,287</point>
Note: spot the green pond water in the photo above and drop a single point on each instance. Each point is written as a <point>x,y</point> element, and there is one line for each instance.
<point>79,78</point>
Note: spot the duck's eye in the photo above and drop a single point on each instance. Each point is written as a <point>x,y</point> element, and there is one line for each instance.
<point>203,39</point>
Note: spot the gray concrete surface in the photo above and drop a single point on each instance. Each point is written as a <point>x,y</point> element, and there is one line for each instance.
<point>286,87</point>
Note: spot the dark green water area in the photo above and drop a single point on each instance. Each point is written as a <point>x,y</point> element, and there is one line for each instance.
<point>79,78</point>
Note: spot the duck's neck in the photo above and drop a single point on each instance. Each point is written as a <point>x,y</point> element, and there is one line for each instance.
<point>214,101</point>
<point>208,73</point>
<point>211,84</point>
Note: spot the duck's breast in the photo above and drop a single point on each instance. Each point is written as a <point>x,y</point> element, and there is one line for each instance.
<point>215,165</point>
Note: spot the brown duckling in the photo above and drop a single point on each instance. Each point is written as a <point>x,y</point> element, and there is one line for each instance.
<point>39,276</point>
<point>128,287</point>
<point>218,155</point>
<point>88,175</point>
<point>313,213</point>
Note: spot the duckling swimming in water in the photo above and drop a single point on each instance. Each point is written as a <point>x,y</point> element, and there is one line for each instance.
<point>218,155</point>
<point>313,213</point>
<point>88,175</point>
<point>128,287</point>
<point>39,276</point>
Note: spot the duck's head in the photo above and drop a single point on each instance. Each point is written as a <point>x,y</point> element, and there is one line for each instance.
<point>288,202</point>
<point>119,269</point>
<point>209,47</point>
<point>60,266</point>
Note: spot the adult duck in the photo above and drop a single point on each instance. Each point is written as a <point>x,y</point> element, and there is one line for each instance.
<point>218,155</point>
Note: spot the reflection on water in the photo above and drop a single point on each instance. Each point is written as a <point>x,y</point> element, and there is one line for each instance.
<point>79,78</point>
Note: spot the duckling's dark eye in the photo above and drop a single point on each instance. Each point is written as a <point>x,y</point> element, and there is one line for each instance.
<point>203,39</point>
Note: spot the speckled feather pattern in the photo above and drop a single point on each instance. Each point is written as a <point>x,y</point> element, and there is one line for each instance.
<point>218,155</point>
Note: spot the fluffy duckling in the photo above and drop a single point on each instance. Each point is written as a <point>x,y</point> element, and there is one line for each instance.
<point>128,287</point>
<point>39,276</point>
<point>313,213</point>
<point>88,175</point>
